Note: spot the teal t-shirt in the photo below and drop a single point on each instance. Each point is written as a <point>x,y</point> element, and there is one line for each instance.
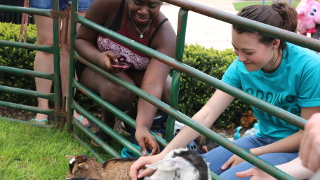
<point>295,84</point>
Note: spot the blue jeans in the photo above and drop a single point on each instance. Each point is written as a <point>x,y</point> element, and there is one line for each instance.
<point>218,156</point>
<point>83,5</point>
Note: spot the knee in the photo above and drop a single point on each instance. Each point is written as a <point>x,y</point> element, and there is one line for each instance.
<point>119,97</point>
<point>45,42</point>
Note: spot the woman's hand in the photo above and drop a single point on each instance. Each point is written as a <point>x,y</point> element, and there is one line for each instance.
<point>255,173</point>
<point>136,167</point>
<point>146,139</point>
<point>234,160</point>
<point>105,58</point>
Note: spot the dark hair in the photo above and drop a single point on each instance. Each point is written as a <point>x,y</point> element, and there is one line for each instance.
<point>280,15</point>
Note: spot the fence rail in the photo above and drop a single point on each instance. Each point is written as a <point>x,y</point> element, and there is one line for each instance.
<point>178,68</point>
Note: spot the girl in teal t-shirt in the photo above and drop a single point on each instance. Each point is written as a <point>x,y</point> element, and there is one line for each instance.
<point>280,73</point>
<point>290,87</point>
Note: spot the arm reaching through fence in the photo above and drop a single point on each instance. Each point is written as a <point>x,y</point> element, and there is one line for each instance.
<point>294,168</point>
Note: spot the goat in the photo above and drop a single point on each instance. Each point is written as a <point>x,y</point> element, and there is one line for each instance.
<point>113,169</point>
<point>178,164</point>
<point>181,164</point>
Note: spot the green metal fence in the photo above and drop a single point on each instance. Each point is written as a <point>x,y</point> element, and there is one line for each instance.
<point>178,68</point>
<point>55,77</point>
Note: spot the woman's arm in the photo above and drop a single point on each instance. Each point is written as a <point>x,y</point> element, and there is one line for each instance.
<point>100,12</point>
<point>206,116</point>
<point>294,168</point>
<point>156,73</point>
<point>154,81</point>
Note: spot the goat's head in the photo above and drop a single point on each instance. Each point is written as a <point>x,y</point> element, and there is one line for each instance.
<point>181,164</point>
<point>83,166</point>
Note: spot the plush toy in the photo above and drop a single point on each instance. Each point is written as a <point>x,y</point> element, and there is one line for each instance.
<point>308,16</point>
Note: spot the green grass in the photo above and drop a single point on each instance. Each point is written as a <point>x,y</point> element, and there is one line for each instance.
<point>30,153</point>
<point>239,5</point>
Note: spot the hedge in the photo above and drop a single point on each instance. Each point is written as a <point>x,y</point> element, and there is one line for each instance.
<point>18,58</point>
<point>193,93</point>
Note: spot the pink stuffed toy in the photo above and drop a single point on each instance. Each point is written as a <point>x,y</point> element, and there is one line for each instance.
<point>308,16</point>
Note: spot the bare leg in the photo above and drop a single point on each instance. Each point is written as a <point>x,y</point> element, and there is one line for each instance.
<point>137,77</point>
<point>64,62</point>
<point>43,61</point>
<point>109,91</point>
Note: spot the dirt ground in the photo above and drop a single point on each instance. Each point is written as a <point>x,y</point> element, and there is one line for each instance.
<point>16,114</point>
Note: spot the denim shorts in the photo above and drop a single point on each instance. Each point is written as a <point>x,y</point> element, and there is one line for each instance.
<point>83,5</point>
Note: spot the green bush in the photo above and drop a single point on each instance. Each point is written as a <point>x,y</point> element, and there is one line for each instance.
<point>192,96</point>
<point>24,59</point>
<point>18,58</point>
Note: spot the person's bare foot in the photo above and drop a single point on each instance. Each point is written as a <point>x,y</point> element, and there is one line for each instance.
<point>84,121</point>
<point>43,118</point>
<point>40,118</point>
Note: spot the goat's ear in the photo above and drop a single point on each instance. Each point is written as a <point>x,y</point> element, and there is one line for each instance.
<point>83,165</point>
<point>80,158</point>
<point>170,164</point>
<point>70,157</point>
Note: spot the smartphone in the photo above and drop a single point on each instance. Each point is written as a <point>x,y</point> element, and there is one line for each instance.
<point>121,65</point>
